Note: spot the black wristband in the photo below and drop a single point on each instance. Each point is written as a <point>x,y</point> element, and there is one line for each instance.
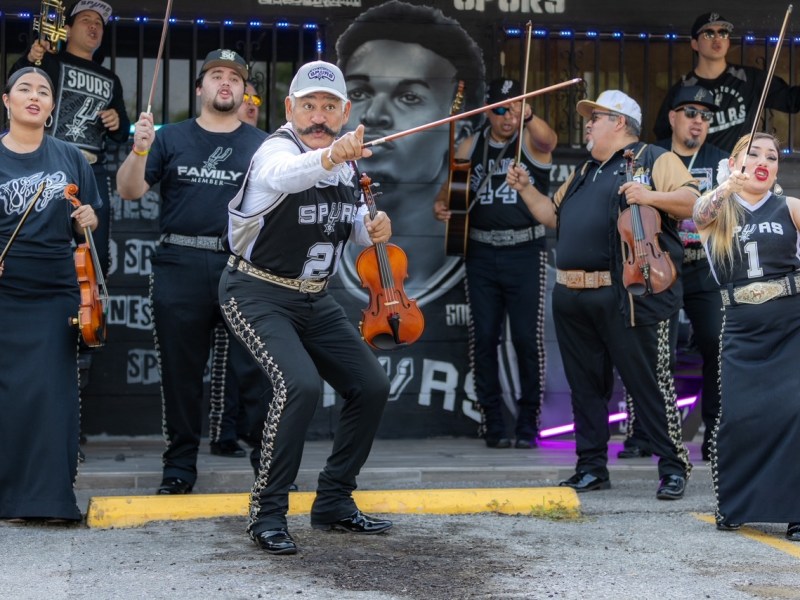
<point>528,119</point>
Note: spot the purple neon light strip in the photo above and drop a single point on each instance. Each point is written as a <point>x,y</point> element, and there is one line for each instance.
<point>612,418</point>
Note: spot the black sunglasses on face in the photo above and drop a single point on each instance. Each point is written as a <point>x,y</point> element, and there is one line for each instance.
<point>710,34</point>
<point>500,110</point>
<point>691,113</point>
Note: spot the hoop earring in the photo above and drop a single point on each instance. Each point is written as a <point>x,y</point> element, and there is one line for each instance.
<point>777,189</point>
<point>49,118</point>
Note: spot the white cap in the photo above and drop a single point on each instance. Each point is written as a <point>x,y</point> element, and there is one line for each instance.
<point>318,76</point>
<point>614,101</point>
<point>101,8</point>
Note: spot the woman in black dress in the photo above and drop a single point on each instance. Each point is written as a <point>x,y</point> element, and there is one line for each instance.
<point>39,293</point>
<point>750,232</point>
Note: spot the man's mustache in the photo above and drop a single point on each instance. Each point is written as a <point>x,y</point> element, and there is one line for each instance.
<point>320,128</point>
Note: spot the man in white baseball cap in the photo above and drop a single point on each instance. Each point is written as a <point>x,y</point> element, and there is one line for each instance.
<point>602,320</point>
<point>319,76</point>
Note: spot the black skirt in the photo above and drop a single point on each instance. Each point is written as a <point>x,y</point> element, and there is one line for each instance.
<point>755,469</point>
<point>39,396</point>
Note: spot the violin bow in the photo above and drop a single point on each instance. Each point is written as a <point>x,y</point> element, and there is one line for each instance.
<point>520,139</point>
<point>164,28</point>
<point>767,83</point>
<point>24,218</point>
<point>471,113</point>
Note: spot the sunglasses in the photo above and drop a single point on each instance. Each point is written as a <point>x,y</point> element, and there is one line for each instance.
<point>710,34</point>
<point>597,114</point>
<point>500,110</point>
<point>255,99</point>
<point>691,113</point>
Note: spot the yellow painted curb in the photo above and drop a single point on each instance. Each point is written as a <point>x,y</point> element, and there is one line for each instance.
<point>792,548</point>
<point>132,511</point>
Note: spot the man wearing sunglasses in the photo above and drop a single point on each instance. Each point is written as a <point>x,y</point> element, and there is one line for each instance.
<point>737,89</point>
<point>505,260</point>
<point>251,105</point>
<point>599,323</point>
<point>690,117</point>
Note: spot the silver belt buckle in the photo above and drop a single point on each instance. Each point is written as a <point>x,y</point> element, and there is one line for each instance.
<point>758,292</point>
<point>502,238</point>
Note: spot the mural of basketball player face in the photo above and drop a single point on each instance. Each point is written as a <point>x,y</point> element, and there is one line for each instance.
<point>394,86</point>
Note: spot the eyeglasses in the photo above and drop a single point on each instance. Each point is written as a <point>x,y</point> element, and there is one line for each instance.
<point>710,34</point>
<point>254,98</point>
<point>500,110</point>
<point>597,114</point>
<point>691,113</point>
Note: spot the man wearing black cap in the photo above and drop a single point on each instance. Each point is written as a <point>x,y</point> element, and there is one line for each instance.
<point>88,98</point>
<point>690,116</point>
<point>200,163</point>
<point>737,89</point>
<point>505,260</point>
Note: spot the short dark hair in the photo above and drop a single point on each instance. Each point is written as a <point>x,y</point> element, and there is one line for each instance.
<point>451,41</point>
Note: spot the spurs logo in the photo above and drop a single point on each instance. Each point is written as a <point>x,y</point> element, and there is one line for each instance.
<point>16,193</point>
<point>217,156</point>
<point>86,114</point>
<point>321,73</point>
<point>746,232</point>
<point>506,87</point>
<point>333,217</point>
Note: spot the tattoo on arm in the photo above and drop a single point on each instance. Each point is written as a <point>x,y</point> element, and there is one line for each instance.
<point>707,207</point>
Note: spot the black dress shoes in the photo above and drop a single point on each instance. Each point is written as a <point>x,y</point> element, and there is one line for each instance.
<point>358,522</point>
<point>725,526</point>
<point>276,541</point>
<point>671,487</point>
<point>586,482</point>
<point>633,452</point>
<point>227,448</point>
<point>493,442</point>
<point>793,532</point>
<point>524,444</point>
<point>174,485</point>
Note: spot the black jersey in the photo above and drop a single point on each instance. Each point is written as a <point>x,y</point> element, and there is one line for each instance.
<point>301,237</point>
<point>498,205</point>
<point>48,230</point>
<point>767,241</point>
<point>83,89</point>
<point>736,92</point>
<point>199,171</point>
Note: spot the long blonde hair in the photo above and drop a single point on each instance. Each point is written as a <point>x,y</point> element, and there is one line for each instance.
<point>721,231</point>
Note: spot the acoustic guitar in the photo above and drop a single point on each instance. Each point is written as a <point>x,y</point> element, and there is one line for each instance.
<point>457,227</point>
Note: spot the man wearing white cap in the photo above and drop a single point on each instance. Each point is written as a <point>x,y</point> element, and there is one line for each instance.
<point>599,323</point>
<point>88,98</point>
<point>287,229</point>
<point>736,88</point>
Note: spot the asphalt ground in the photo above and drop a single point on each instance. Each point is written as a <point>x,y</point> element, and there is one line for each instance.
<point>623,543</point>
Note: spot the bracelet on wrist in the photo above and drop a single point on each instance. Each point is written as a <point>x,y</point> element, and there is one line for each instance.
<point>528,119</point>
<point>139,152</point>
<point>330,157</point>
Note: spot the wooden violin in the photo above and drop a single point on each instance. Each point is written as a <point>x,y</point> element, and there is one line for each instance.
<point>457,226</point>
<point>91,318</point>
<point>391,319</point>
<point>646,268</point>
